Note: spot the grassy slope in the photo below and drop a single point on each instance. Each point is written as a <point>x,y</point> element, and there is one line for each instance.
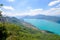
<point>25,33</point>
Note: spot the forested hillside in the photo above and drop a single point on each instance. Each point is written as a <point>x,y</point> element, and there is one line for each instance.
<point>9,31</point>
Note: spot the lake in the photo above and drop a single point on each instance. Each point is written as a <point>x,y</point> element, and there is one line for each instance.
<point>45,25</point>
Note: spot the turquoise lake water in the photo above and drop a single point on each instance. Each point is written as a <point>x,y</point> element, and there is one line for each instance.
<point>45,25</point>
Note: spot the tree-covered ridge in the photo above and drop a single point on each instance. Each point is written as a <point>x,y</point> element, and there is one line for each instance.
<point>15,32</point>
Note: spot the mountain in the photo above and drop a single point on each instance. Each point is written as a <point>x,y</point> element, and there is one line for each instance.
<point>17,29</point>
<point>16,21</point>
<point>44,17</point>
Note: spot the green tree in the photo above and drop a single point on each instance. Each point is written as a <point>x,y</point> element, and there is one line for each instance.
<point>3,31</point>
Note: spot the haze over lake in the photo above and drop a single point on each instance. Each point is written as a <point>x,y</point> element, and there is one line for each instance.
<point>45,25</point>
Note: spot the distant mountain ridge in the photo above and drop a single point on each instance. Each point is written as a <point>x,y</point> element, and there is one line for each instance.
<point>17,21</point>
<point>44,17</point>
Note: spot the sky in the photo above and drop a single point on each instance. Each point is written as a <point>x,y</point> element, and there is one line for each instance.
<point>17,8</point>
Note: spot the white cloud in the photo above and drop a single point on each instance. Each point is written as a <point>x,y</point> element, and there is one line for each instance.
<point>33,12</point>
<point>52,12</point>
<point>58,6</point>
<point>58,0</point>
<point>53,3</point>
<point>49,12</point>
<point>28,12</point>
<point>8,7</point>
<point>10,0</point>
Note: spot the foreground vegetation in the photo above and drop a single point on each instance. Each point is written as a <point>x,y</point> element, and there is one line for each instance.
<point>10,31</point>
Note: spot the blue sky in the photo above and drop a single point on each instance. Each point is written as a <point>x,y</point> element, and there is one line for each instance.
<point>30,7</point>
